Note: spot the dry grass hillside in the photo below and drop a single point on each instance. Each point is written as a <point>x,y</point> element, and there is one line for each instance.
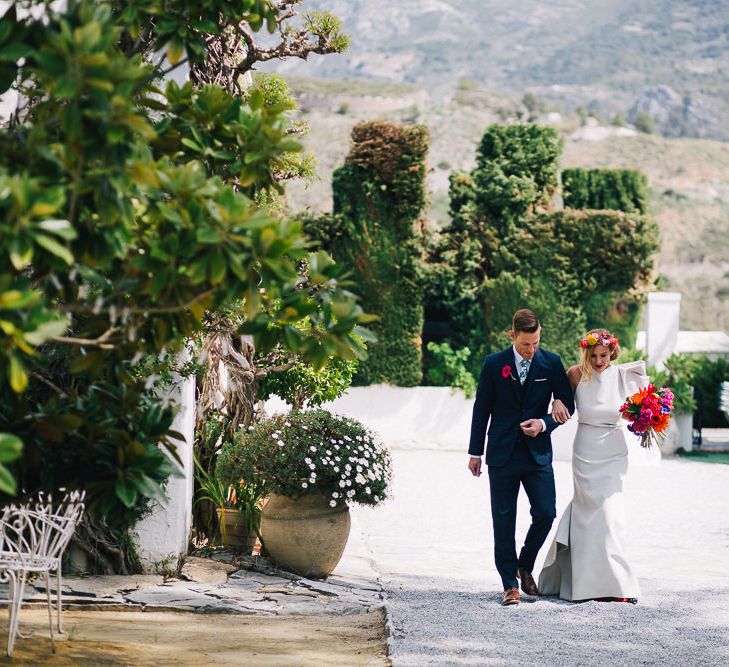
<point>689,177</point>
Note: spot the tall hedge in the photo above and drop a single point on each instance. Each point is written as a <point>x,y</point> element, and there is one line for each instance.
<point>376,231</point>
<point>506,248</point>
<point>606,189</point>
<point>610,189</point>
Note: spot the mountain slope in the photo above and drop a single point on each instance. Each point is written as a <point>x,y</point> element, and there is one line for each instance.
<point>613,56</point>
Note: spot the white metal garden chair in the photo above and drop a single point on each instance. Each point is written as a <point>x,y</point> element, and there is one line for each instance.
<point>33,537</point>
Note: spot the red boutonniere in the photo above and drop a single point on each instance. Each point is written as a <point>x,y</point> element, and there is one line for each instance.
<point>506,372</point>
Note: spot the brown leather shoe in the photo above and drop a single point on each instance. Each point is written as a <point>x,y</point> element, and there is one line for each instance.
<point>511,596</point>
<point>528,585</point>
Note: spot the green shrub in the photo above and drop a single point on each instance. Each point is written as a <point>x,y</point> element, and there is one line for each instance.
<point>302,385</point>
<point>303,453</point>
<point>446,367</point>
<point>644,123</point>
<point>678,376</point>
<point>706,379</point>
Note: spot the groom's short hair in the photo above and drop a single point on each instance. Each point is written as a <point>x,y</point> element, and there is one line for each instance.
<point>525,320</point>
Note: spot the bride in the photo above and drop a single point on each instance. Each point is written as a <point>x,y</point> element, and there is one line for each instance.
<point>587,559</point>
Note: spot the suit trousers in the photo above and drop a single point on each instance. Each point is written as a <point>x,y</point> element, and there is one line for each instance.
<point>504,483</point>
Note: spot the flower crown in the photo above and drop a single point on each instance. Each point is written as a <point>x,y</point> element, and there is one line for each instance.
<point>604,339</point>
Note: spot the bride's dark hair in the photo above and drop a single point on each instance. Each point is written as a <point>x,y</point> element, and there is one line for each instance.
<point>600,334</point>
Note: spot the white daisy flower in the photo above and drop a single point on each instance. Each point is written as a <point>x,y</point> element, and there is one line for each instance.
<point>304,485</point>
<point>332,503</point>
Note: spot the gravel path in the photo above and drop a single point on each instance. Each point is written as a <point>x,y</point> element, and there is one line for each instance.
<point>433,549</point>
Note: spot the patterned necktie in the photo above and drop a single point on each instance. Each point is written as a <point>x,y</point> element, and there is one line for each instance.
<point>524,370</point>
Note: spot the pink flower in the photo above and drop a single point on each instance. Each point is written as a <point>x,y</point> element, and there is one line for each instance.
<point>506,371</point>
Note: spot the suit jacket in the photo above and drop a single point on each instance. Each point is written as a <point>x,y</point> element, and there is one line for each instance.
<point>502,403</point>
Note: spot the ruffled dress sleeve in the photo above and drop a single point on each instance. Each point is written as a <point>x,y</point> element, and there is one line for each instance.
<point>633,377</point>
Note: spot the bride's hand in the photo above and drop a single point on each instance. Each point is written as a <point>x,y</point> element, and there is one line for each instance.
<point>560,413</point>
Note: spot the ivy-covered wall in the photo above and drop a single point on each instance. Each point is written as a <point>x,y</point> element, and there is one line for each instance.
<point>376,231</point>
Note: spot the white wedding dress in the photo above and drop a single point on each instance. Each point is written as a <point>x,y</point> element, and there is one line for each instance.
<point>587,558</point>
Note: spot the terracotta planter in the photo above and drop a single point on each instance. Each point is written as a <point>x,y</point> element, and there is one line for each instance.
<point>234,529</point>
<point>305,535</point>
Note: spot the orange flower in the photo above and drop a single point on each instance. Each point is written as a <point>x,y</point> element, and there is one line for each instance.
<point>638,397</point>
<point>660,422</point>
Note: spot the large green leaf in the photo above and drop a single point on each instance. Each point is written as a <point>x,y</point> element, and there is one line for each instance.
<point>54,247</point>
<point>126,491</point>
<point>11,447</point>
<point>7,481</point>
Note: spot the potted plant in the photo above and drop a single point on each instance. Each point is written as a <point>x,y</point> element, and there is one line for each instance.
<point>678,374</point>
<point>312,465</point>
<point>237,505</point>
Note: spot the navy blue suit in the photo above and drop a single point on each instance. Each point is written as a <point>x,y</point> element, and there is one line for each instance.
<point>515,459</point>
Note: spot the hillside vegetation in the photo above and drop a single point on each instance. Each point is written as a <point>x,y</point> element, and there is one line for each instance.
<point>689,178</point>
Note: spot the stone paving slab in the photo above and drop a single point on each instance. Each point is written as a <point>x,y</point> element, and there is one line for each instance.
<point>223,584</point>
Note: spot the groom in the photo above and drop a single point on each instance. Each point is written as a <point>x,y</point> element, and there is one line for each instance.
<point>513,397</point>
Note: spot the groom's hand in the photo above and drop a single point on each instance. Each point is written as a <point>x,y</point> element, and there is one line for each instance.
<point>474,465</point>
<point>532,427</point>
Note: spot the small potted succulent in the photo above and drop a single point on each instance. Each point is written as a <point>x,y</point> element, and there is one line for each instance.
<point>311,465</point>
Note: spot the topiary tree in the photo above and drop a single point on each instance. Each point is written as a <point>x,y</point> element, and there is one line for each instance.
<point>376,231</point>
<point>506,248</point>
<point>129,208</point>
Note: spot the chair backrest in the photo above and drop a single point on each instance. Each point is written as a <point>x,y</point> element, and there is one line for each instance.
<point>40,530</point>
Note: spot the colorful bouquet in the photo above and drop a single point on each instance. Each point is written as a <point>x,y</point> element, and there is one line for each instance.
<point>649,413</point>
